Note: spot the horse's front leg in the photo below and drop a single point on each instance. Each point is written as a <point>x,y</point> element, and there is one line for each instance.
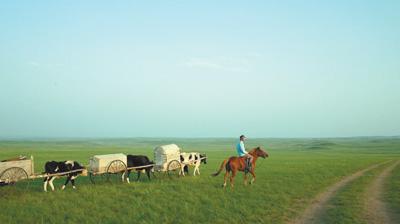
<point>254,177</point>
<point>245,179</point>
<point>232,179</point>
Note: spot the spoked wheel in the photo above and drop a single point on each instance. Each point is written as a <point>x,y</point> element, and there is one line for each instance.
<point>174,168</point>
<point>116,171</point>
<point>16,177</point>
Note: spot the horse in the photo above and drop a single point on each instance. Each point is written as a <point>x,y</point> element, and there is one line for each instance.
<point>235,164</point>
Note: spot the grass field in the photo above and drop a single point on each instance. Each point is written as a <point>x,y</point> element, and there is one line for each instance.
<point>296,171</point>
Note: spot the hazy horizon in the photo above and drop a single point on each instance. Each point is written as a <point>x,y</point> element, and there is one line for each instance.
<point>294,69</point>
<point>80,138</point>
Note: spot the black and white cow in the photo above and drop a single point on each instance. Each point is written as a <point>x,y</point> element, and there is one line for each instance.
<point>53,167</point>
<point>138,160</point>
<point>194,159</point>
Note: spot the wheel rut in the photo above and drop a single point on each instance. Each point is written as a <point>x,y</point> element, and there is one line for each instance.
<point>318,205</point>
<point>376,210</point>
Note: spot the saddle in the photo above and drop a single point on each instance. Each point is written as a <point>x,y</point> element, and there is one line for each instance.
<point>247,164</point>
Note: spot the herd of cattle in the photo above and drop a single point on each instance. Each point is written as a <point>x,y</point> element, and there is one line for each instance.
<point>52,168</point>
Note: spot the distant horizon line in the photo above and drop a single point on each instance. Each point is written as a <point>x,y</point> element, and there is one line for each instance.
<point>220,137</point>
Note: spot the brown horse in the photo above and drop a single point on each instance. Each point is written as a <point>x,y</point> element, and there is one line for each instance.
<point>234,164</point>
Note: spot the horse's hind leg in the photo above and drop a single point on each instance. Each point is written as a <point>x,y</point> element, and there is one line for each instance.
<point>225,178</point>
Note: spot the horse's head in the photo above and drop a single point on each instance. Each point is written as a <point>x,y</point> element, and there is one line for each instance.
<point>260,152</point>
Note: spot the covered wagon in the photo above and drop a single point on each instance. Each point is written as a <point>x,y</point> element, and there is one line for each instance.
<point>19,171</point>
<point>167,158</point>
<point>107,166</point>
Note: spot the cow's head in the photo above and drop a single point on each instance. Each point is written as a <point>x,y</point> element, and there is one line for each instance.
<point>203,158</point>
<point>73,165</point>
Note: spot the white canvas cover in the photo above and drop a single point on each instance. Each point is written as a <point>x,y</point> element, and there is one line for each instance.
<point>99,163</point>
<point>164,154</point>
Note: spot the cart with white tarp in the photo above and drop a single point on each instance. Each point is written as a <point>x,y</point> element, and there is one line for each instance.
<point>167,159</point>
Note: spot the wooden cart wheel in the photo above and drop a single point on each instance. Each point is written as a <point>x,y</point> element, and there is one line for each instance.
<point>174,168</point>
<point>15,176</point>
<point>116,171</point>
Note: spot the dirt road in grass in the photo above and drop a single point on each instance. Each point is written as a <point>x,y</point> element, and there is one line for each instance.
<point>316,209</point>
<point>376,210</point>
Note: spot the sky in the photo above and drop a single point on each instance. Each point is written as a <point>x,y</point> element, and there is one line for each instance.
<point>199,68</point>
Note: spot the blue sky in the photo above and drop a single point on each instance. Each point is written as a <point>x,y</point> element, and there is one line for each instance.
<point>199,69</point>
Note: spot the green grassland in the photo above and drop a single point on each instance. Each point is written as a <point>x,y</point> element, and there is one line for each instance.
<point>296,171</point>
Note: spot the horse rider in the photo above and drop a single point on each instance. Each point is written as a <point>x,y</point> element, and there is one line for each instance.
<point>241,150</point>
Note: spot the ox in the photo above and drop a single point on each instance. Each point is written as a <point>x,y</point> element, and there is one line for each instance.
<point>192,159</point>
<point>53,168</point>
<point>134,161</point>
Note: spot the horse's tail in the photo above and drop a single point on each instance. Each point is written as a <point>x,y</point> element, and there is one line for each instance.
<point>223,164</point>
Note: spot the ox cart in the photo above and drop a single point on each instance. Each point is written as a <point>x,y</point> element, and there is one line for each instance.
<point>107,167</point>
<point>113,167</point>
<point>16,171</point>
<point>20,170</point>
<point>167,159</point>
<point>110,168</point>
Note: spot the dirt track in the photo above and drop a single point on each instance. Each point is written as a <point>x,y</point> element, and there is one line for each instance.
<point>375,209</point>
<point>318,205</point>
